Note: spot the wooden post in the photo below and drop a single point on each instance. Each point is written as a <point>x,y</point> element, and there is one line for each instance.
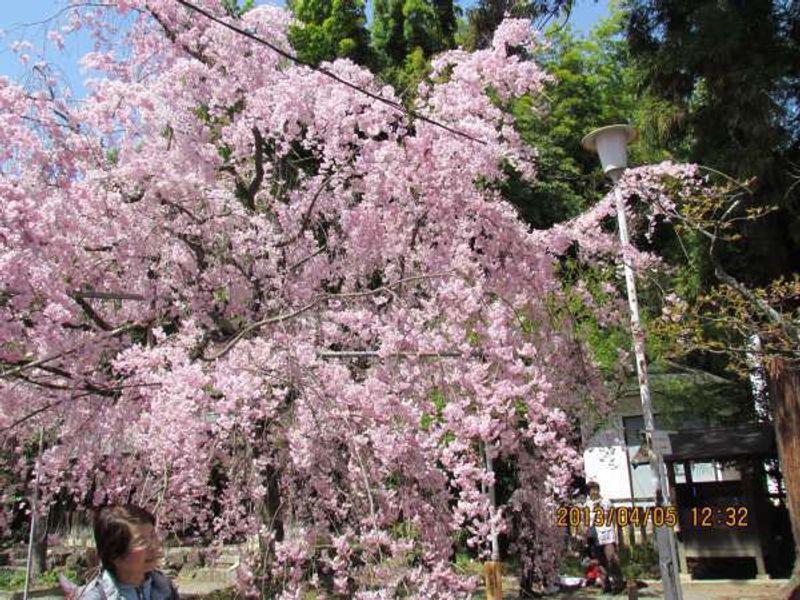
<point>633,589</point>
<point>493,576</point>
<point>784,396</point>
<point>493,569</point>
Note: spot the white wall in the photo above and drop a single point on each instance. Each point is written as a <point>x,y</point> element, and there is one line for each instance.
<point>605,461</point>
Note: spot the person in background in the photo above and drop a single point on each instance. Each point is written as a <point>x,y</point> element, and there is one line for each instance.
<point>595,575</point>
<point>129,549</point>
<point>602,538</point>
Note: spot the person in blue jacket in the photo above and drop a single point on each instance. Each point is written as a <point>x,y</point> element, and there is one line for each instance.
<point>130,550</point>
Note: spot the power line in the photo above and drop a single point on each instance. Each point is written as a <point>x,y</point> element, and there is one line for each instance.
<point>327,73</point>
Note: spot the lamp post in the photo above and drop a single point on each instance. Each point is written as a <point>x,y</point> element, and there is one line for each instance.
<point>611,144</point>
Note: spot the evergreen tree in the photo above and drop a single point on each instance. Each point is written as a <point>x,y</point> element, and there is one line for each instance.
<point>387,30</point>
<point>726,76</point>
<point>594,84</point>
<point>330,29</point>
<point>406,33</point>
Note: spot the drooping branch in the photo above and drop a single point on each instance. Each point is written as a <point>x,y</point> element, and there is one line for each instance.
<point>304,223</point>
<point>259,324</point>
<point>92,314</point>
<point>88,389</point>
<point>387,288</point>
<point>117,296</point>
<point>258,178</point>
<point>344,354</point>
<point>51,357</point>
<point>173,37</point>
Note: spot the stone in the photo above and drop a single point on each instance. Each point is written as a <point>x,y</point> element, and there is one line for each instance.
<point>194,559</point>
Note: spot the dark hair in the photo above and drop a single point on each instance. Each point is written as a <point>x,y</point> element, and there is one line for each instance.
<point>112,531</point>
<point>593,484</point>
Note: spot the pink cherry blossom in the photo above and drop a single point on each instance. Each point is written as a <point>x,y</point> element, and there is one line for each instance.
<point>188,254</point>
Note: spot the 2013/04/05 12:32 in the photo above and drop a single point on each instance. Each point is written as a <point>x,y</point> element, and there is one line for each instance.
<point>734,516</point>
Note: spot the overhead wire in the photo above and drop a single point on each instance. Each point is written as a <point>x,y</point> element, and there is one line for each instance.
<point>327,73</point>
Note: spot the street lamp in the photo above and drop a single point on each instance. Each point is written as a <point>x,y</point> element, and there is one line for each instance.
<point>611,144</point>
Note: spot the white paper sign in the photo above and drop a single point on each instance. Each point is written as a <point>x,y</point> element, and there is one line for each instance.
<point>660,442</point>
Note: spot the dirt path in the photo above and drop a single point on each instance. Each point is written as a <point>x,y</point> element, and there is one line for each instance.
<point>711,590</point>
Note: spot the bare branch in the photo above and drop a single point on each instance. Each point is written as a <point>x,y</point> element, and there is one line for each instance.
<point>90,390</point>
<point>255,185</point>
<point>772,315</point>
<point>305,259</point>
<point>117,296</point>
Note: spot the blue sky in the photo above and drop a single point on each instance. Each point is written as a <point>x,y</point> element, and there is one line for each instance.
<point>27,20</point>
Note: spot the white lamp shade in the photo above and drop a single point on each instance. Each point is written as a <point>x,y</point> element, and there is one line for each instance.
<point>611,143</point>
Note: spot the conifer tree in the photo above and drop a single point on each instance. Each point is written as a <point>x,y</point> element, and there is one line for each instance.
<point>330,29</point>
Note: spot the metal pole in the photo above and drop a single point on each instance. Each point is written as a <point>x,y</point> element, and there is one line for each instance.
<point>667,560</point>
<point>34,502</point>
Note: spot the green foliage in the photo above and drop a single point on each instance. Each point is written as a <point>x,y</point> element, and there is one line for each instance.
<point>112,155</point>
<point>14,579</point>
<point>719,83</point>
<point>330,29</point>
<point>230,593</point>
<point>681,397</point>
<point>234,9</point>
<point>406,33</point>
<point>604,341</point>
<point>722,80</point>
<point>387,31</point>
<point>11,579</point>
<point>439,402</point>
<point>51,577</point>
<point>639,562</point>
<point>420,23</point>
<point>594,84</point>
<point>597,82</point>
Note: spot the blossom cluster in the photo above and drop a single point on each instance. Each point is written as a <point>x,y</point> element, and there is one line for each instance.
<point>257,301</point>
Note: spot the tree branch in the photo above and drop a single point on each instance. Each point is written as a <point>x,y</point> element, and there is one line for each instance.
<point>375,354</point>
<point>307,216</point>
<point>258,178</point>
<point>91,313</point>
<point>258,324</point>
<point>39,362</point>
<point>173,37</point>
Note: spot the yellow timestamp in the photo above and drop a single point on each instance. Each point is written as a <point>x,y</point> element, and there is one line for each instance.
<point>616,516</point>
<point>736,516</point>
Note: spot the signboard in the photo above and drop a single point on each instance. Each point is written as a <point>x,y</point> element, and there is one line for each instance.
<point>660,442</point>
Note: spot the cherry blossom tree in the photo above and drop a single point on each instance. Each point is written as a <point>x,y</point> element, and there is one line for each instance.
<point>271,307</point>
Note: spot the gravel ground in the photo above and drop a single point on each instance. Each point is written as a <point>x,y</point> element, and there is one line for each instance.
<point>705,590</point>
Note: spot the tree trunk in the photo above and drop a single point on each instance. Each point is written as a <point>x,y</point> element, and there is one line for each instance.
<point>784,393</point>
<point>39,563</point>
